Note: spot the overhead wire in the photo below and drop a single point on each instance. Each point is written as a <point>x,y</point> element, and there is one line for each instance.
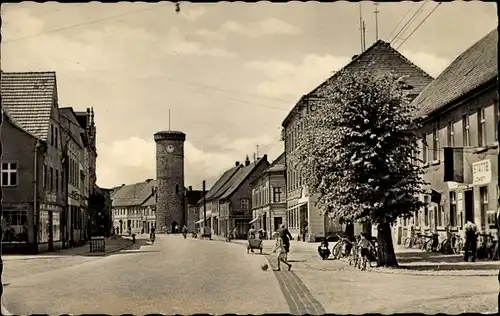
<point>417,27</point>
<point>64,28</point>
<point>408,23</point>
<point>401,20</point>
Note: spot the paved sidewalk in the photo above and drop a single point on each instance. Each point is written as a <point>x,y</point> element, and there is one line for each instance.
<point>112,245</point>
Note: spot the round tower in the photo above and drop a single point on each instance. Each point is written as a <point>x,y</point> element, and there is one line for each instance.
<point>170,178</point>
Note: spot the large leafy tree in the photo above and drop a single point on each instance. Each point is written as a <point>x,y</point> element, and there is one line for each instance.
<point>358,152</point>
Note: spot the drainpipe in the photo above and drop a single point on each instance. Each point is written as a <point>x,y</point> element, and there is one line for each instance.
<point>36,210</point>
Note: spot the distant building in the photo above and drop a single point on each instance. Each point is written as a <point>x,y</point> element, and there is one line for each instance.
<point>33,195</point>
<point>268,197</point>
<point>301,209</point>
<point>459,144</point>
<point>229,200</point>
<point>192,209</point>
<point>134,207</point>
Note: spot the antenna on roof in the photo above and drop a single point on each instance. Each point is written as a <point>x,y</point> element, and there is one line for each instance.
<point>376,20</point>
<point>364,36</point>
<point>361,27</point>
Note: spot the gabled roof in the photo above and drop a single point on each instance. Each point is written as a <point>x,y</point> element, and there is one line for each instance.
<point>72,125</point>
<point>216,188</point>
<point>133,194</point>
<point>194,196</point>
<point>473,68</point>
<point>241,176</point>
<point>380,57</point>
<point>278,165</point>
<point>29,98</point>
<point>7,118</point>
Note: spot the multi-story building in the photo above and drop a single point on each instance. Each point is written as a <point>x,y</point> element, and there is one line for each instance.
<point>192,209</point>
<point>459,144</point>
<point>134,207</point>
<point>72,142</point>
<point>301,210</point>
<point>209,204</point>
<point>268,197</point>
<point>32,169</point>
<point>230,198</point>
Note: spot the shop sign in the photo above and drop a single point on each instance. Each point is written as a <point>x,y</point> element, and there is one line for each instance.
<point>481,172</point>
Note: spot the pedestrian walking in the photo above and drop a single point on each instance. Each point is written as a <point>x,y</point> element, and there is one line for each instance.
<point>281,252</point>
<point>364,246</point>
<point>251,235</point>
<point>286,236</point>
<point>470,241</point>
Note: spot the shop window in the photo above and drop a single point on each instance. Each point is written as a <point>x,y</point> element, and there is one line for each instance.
<point>43,227</point>
<point>56,226</point>
<point>15,229</point>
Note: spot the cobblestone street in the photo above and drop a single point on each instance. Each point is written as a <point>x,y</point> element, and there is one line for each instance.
<point>339,288</point>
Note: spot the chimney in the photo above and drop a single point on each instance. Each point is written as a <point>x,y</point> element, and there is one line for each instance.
<point>148,180</point>
<point>247,161</point>
<point>237,163</point>
<point>190,188</point>
<point>123,184</point>
<point>354,57</point>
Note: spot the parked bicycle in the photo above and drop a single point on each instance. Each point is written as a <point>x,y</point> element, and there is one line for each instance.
<point>342,248</point>
<point>452,245</point>
<point>414,241</point>
<point>356,260</point>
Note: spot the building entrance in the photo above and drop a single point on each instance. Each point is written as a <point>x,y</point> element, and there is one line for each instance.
<point>469,206</point>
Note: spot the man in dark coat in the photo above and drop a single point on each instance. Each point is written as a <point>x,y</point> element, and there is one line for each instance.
<point>286,236</point>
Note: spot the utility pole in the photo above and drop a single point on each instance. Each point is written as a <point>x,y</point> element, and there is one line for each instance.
<point>364,36</point>
<point>361,27</point>
<point>257,151</point>
<point>204,205</point>
<point>169,120</point>
<point>376,20</point>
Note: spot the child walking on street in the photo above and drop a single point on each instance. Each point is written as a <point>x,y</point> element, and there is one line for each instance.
<point>364,245</point>
<point>280,248</point>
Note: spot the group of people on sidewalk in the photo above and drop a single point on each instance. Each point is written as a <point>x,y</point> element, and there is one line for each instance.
<point>282,246</point>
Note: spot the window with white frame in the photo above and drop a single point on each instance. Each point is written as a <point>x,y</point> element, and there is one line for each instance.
<point>466,130</point>
<point>9,174</point>
<point>451,135</point>
<point>427,200</point>
<point>425,149</point>
<point>244,204</point>
<point>435,142</point>
<point>277,194</point>
<point>453,209</point>
<point>481,127</point>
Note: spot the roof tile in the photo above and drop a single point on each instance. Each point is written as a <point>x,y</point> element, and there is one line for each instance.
<point>133,194</point>
<point>473,68</point>
<point>29,97</point>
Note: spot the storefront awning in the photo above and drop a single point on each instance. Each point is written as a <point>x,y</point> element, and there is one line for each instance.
<point>199,222</point>
<point>253,220</point>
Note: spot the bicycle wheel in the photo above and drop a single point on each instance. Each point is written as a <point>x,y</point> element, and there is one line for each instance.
<point>407,243</point>
<point>428,246</point>
<point>336,251</point>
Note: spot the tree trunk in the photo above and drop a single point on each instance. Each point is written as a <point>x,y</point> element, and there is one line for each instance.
<point>385,255</point>
<point>349,230</point>
<point>367,229</point>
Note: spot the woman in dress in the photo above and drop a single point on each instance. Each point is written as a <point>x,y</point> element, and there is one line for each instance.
<point>280,249</point>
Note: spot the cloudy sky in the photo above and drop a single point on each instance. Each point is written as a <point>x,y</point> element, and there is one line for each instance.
<point>229,72</point>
